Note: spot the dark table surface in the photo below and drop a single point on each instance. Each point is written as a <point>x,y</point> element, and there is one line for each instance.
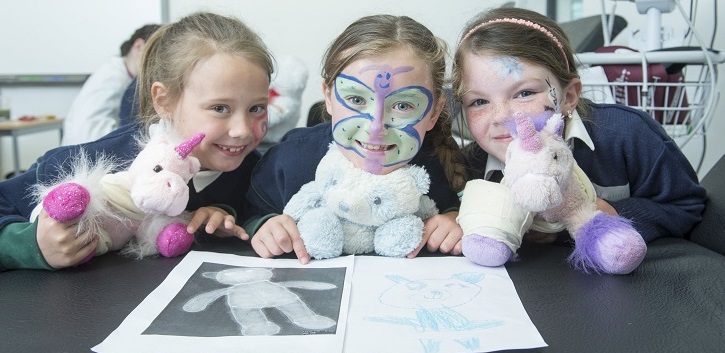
<point>675,301</point>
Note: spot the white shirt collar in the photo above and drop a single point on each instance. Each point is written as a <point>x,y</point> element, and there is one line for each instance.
<point>492,165</point>
<point>203,178</point>
<point>574,129</point>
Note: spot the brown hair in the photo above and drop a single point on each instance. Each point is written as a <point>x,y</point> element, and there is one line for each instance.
<point>142,33</point>
<point>172,52</point>
<point>377,34</point>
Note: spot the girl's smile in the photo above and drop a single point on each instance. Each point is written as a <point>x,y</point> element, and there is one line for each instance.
<point>226,98</point>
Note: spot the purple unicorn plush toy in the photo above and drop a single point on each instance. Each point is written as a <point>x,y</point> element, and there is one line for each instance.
<point>546,186</point>
<point>140,210</point>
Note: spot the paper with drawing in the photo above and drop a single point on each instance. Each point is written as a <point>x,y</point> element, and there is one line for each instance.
<point>435,304</point>
<point>225,303</point>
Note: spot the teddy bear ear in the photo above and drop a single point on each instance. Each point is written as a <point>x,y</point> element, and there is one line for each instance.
<point>420,177</point>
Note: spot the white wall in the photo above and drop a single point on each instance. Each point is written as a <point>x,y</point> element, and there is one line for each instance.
<point>75,36</point>
<point>59,37</point>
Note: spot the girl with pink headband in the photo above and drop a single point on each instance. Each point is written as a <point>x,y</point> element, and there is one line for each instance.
<point>514,61</point>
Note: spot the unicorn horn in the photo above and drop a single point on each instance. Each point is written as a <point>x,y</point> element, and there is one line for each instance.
<point>530,140</point>
<point>184,148</point>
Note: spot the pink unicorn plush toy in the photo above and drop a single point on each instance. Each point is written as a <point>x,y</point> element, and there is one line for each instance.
<point>547,187</point>
<point>139,210</point>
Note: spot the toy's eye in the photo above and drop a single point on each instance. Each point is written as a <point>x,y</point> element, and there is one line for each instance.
<point>377,201</point>
<point>158,168</point>
<point>555,156</point>
<point>334,182</point>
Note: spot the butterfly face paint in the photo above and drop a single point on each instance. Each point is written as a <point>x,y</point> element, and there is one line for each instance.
<point>382,126</point>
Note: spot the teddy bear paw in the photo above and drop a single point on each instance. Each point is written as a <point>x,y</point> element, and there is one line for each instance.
<point>66,202</point>
<point>486,251</point>
<point>174,240</point>
<point>399,237</point>
<point>321,232</point>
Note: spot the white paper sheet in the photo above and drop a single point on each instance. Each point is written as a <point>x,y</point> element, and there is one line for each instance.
<point>191,310</point>
<point>435,305</point>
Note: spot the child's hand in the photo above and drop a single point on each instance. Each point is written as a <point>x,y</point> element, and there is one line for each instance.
<point>605,207</point>
<point>213,218</point>
<point>441,233</point>
<point>59,244</point>
<point>277,236</point>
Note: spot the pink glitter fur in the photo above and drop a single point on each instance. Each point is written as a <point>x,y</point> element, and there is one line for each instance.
<point>66,202</point>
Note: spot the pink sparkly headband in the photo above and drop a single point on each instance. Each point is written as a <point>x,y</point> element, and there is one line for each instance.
<point>526,23</point>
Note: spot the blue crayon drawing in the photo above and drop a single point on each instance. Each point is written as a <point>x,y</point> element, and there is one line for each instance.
<point>432,304</point>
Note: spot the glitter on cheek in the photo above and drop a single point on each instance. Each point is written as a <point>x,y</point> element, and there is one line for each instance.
<point>259,129</point>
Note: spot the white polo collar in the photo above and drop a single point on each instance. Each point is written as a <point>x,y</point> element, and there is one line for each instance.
<point>203,178</point>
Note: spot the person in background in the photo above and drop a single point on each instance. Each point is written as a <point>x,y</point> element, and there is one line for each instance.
<point>128,111</point>
<point>95,110</point>
<point>513,60</point>
<point>206,74</point>
<point>388,54</point>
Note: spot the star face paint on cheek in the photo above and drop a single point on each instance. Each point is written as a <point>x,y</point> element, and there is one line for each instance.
<point>383,130</point>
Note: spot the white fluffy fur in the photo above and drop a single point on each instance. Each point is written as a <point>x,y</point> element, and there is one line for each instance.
<point>83,172</point>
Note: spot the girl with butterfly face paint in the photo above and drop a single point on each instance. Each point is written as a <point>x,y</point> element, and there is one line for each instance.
<point>383,79</point>
<point>381,113</point>
<point>637,171</point>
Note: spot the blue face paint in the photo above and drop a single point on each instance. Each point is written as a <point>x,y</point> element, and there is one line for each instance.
<point>381,129</point>
<point>509,67</point>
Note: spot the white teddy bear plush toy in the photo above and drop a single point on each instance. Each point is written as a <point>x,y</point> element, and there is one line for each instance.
<point>348,210</point>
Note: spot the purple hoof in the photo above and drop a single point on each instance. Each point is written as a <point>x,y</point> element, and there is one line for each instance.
<point>608,244</point>
<point>174,240</point>
<point>66,202</point>
<point>485,251</point>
